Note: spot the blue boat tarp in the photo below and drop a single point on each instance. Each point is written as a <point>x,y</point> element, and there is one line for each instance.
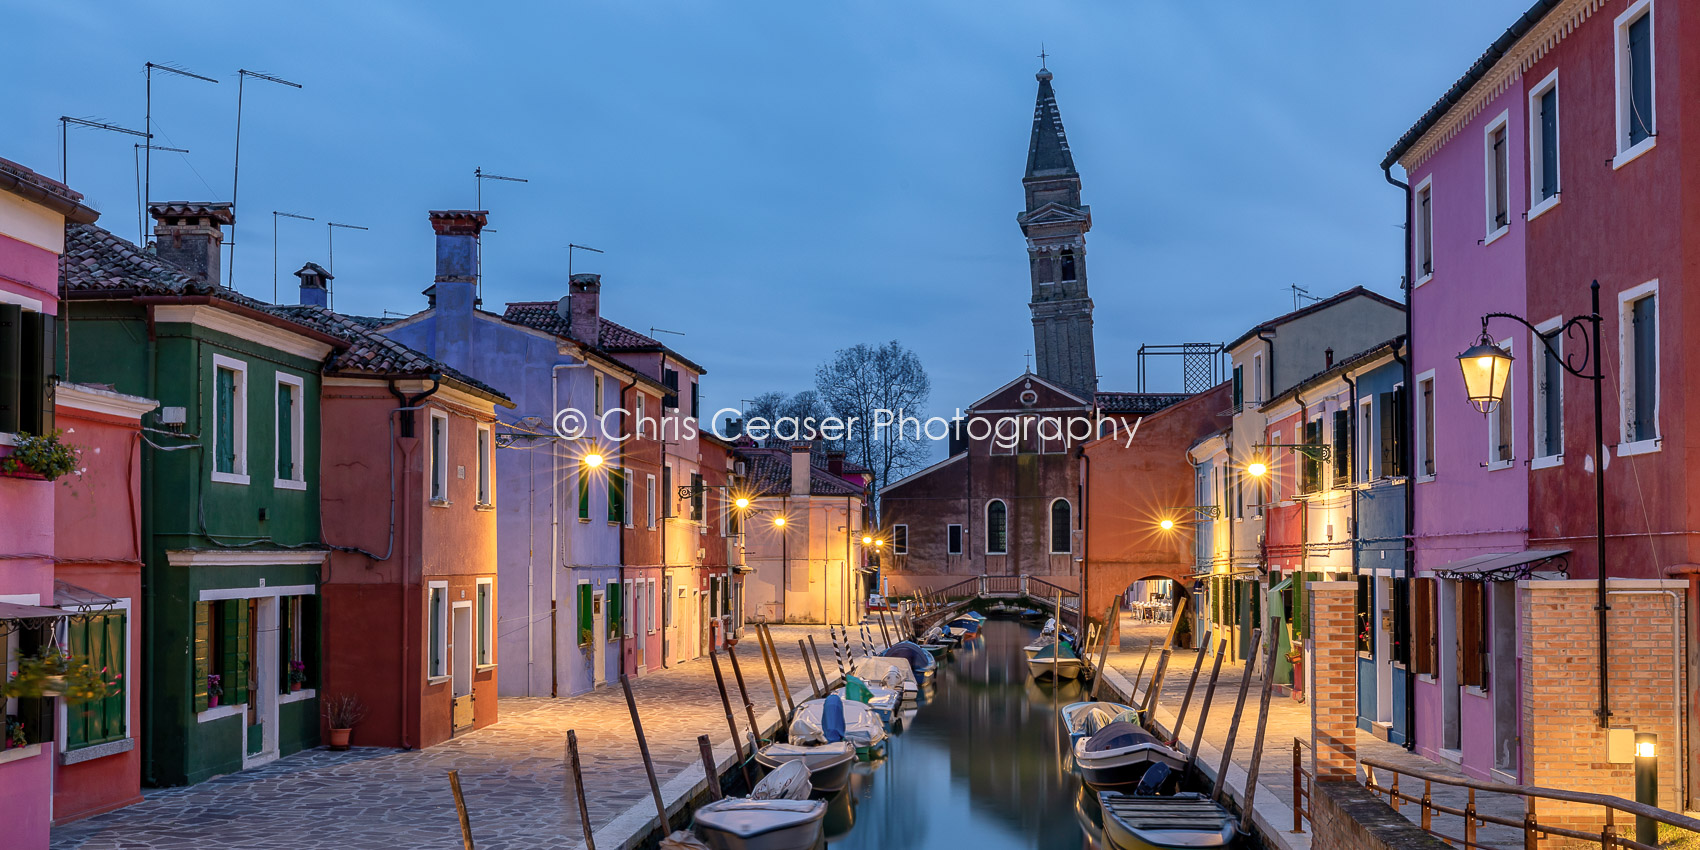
<point>832,719</point>
<point>967,624</point>
<point>920,660</point>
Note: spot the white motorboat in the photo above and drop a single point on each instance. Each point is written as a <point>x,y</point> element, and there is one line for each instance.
<point>884,701</point>
<point>890,672</point>
<point>1118,755</point>
<point>828,764</point>
<point>862,725</point>
<point>1057,661</point>
<point>778,815</point>
<point>1188,821</point>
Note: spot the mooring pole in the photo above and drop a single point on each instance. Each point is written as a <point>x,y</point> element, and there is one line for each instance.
<point>883,632</point>
<point>643,749</point>
<point>460,808</point>
<point>826,684</point>
<point>1104,645</point>
<point>731,716</point>
<point>1209,699</point>
<point>1152,693</point>
<point>738,676</point>
<point>1234,725</point>
<point>578,783</point>
<point>804,649</point>
<point>1143,660</point>
<point>1257,742</point>
<point>779,667</point>
<point>778,701</point>
<point>1186,703</point>
<point>714,790</point>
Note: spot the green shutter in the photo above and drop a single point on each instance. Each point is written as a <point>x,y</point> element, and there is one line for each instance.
<point>78,718</point>
<point>225,419</point>
<point>616,495</point>
<point>285,432</point>
<point>285,635</point>
<point>615,612</point>
<point>586,621</point>
<point>203,653</point>
<point>11,366</point>
<point>236,651</point>
<point>112,665</point>
<point>583,491</point>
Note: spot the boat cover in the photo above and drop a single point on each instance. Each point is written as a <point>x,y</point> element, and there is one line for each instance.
<point>832,719</point>
<point>1094,719</point>
<point>857,690</point>
<point>812,757</point>
<point>862,726</point>
<point>1116,736</point>
<point>889,670</point>
<point>1050,626</point>
<point>976,615</point>
<point>1060,650</point>
<point>789,781</point>
<point>749,818</point>
<point>919,659</point>
<point>967,624</point>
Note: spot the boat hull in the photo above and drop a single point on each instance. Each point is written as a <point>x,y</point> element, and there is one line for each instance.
<point>803,833</point>
<point>1121,768</point>
<point>1181,822</point>
<point>1053,668</point>
<point>826,774</point>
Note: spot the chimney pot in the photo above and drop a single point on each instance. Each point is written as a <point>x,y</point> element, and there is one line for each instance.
<point>190,235</point>
<point>1328,357</point>
<point>457,258</point>
<point>800,468</point>
<point>835,462</point>
<point>315,285</point>
<point>584,308</point>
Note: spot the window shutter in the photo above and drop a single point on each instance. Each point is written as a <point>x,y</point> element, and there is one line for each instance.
<point>285,432</point>
<point>1384,413</point>
<point>583,490</point>
<point>79,719</point>
<point>696,497</point>
<point>224,414</point>
<point>236,617</point>
<point>1644,313</point>
<point>1549,143</point>
<point>616,495</point>
<point>586,620</point>
<point>113,652</point>
<point>1640,79</point>
<point>1239,387</point>
<point>11,366</point>
<point>666,491</point>
<point>696,400</point>
<point>285,644</point>
<point>1342,447</point>
<point>203,653</point>
<point>616,596</point>
<point>1552,392</point>
<point>35,386</point>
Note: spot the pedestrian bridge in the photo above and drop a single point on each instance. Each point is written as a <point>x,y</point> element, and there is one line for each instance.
<point>935,606</point>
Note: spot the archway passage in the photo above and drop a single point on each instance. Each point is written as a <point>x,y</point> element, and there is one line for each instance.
<point>1107,582</point>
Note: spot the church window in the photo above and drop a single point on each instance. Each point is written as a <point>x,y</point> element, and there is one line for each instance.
<point>1067,266</point>
<point>1042,270</point>
<point>1061,528</point>
<point>997,538</point>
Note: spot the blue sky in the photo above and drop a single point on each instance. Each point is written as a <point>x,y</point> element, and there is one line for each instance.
<point>776,180</point>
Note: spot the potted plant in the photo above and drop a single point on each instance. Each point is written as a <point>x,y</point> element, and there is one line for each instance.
<point>53,673</point>
<point>342,712</point>
<point>297,674</point>
<point>215,689</point>
<point>15,737</point>
<point>41,457</point>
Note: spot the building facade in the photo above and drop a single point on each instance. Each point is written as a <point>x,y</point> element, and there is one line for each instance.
<point>802,539</point>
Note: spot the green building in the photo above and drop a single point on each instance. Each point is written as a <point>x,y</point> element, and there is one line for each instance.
<point>231,554</point>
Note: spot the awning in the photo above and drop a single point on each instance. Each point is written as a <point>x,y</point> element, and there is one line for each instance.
<point>1507,567</point>
<point>13,612</point>
<point>75,598</point>
<point>1281,585</point>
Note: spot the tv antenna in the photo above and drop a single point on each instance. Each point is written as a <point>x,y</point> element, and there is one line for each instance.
<point>275,216</point>
<point>141,217</point>
<point>330,251</point>
<point>479,175</point>
<point>654,331</point>
<point>572,247</point>
<point>147,167</point>
<point>1301,295</point>
<point>65,121</point>
<point>242,76</point>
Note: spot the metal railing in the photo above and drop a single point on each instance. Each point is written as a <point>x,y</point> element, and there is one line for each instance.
<point>1301,787</point>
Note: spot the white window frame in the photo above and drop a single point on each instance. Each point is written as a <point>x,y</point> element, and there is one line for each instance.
<point>947,528</point>
<point>637,433</point>
<point>1270,475</point>
<point>1627,153</point>
<point>1536,139</point>
<point>1538,394</point>
<point>1423,230</point>
<point>1509,399</point>
<point>627,609</point>
<point>626,496</point>
<point>297,432</point>
<point>1493,233</point>
<point>1257,377</point>
<point>986,538</point>
<point>1368,447</point>
<point>597,389</point>
<point>1626,369</point>
<point>1050,527</point>
<point>486,482</point>
<point>651,499</point>
<point>437,458</point>
<point>904,549</point>
<point>439,610</point>
<point>239,408</point>
<point>484,653</point>
<point>1421,426</point>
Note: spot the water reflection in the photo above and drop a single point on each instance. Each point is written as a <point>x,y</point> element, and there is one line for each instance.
<point>982,764</point>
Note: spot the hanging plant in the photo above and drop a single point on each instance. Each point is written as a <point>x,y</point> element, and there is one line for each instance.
<point>53,673</point>
<point>44,455</point>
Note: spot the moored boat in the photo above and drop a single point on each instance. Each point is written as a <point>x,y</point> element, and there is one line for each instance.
<point>776,816</point>
<point>920,660</point>
<point>888,671</point>
<point>1084,719</point>
<point>1191,821</point>
<point>828,764</point>
<point>1119,754</point>
<point>1057,661</point>
<point>816,722</point>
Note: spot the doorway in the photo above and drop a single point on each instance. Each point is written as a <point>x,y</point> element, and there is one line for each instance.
<point>599,613</point>
<point>460,657</point>
<point>260,720</point>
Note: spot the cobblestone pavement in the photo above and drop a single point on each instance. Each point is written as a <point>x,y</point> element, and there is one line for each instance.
<point>512,773</point>
<point>1288,719</point>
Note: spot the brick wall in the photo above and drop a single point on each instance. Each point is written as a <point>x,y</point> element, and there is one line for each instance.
<point>1348,816</point>
<point>1333,675</point>
<point>1563,746</point>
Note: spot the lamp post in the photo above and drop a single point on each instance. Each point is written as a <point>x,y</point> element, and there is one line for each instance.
<point>1647,785</point>
<point>1486,368</point>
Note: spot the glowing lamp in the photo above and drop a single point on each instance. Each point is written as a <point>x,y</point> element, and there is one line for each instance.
<point>867,541</point>
<point>1486,368</point>
<point>779,521</point>
<point>593,460</point>
<point>1167,524</point>
<point>1257,469</point>
<point>742,503</point>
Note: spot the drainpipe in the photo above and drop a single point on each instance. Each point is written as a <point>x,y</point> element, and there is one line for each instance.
<point>408,405</point>
<point>1081,495</point>
<point>1410,480</point>
<point>148,531</point>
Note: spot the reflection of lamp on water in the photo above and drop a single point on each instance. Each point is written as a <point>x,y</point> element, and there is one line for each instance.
<point>1646,785</point>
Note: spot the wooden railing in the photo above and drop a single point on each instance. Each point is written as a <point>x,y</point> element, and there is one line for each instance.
<point>1301,786</point>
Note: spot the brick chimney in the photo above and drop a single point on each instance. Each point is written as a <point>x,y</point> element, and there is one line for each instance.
<point>584,306</point>
<point>1328,358</point>
<point>835,462</point>
<point>315,285</point>
<point>190,235</point>
<point>800,468</point>
<point>457,258</point>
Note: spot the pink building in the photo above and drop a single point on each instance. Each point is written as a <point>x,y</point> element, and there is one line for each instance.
<point>33,213</point>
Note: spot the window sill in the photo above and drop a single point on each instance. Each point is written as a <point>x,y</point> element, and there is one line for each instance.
<point>283,484</point>
<point>1630,154</point>
<point>483,668</point>
<point>584,519</point>
<point>229,478</point>
<point>437,680</point>
<point>1472,690</point>
<point>484,506</point>
<point>20,753</point>
<point>97,751</point>
<point>1494,466</point>
<point>1547,462</point>
<point>1639,448</point>
<point>1424,479</point>
<point>221,712</point>
<point>297,696</point>
<point>8,438</point>
<point>1496,235</point>
<point>440,503</point>
<point>1538,209</point>
<point>1424,279</point>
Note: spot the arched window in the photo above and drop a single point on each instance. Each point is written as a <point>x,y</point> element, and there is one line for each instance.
<point>1067,266</point>
<point>997,527</point>
<point>1061,526</point>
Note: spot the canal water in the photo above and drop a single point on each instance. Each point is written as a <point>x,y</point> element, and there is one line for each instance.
<point>981,765</point>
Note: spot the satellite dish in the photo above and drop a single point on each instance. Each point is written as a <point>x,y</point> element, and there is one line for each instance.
<point>562,310</point>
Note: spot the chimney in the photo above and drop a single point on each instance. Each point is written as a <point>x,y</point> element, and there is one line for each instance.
<point>835,462</point>
<point>1328,358</point>
<point>315,285</point>
<point>584,305</point>
<point>191,235</point>
<point>800,468</point>
<point>457,259</point>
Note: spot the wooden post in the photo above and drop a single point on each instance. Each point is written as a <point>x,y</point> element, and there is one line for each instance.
<point>779,667</point>
<point>578,783</point>
<point>883,632</point>
<point>460,808</point>
<point>1209,699</point>
<point>738,676</point>
<point>1234,725</point>
<point>1152,693</point>
<point>731,716</point>
<point>643,749</point>
<point>1104,645</point>
<point>1257,741</point>
<point>714,791</point>
<point>826,684</point>
<point>804,649</point>
<point>1143,660</point>
<point>1186,703</point>
<point>778,701</point>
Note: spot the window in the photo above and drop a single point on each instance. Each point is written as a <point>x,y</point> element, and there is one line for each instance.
<point>1310,469</point>
<point>1473,632</point>
<point>99,638</point>
<point>1062,527</point>
<point>290,439</point>
<point>1367,444</point>
<point>1239,387</point>
<point>1401,638</point>
<point>616,610</point>
<point>953,539</point>
<point>649,496</point>
<point>26,369</point>
<point>997,540</point>
<point>1638,317</point>
<point>1543,144</point>
<point>1365,600</point>
<point>653,605</point>
<point>439,457</point>
<point>1424,639</point>
<point>1424,425</point>
<point>586,614</point>
<point>900,540</point>
<point>696,401</point>
<point>667,494</point>
<point>626,496</point>
<point>641,429</point>
<point>1067,265</point>
<point>1502,423</point>
<point>583,491</point>
<point>596,390</point>
<point>696,497</point>
<point>298,630</point>
<point>1498,170</point>
<point>1341,451</point>
<point>438,661</point>
<point>670,401</point>
<point>485,611</point>
<point>485,460</point>
<point>1549,391</point>
<point>230,420</point>
<point>1636,124</point>
<point>625,606</point>
<point>1391,419</point>
<point>1424,214</point>
<point>222,652</point>
<point>616,495</point>
<point>1257,378</point>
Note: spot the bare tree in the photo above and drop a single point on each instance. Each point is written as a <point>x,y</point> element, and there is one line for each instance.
<point>875,384</point>
<point>796,416</point>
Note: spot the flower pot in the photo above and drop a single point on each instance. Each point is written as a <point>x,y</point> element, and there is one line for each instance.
<point>212,701</point>
<point>339,738</point>
<point>25,473</point>
<point>295,686</point>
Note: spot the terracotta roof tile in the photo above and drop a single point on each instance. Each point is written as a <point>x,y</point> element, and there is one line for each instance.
<point>1111,402</point>
<point>371,353</point>
<point>767,472</point>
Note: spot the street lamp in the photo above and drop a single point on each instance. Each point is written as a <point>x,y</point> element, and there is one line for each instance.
<point>593,460</point>
<point>779,522</point>
<point>1257,469</point>
<point>1647,785</point>
<point>742,503</point>
<point>1486,367</point>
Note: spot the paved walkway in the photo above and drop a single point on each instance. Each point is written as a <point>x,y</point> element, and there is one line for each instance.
<point>1287,719</point>
<point>513,775</point>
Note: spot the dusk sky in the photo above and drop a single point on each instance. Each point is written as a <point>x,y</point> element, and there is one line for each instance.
<point>775,180</point>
